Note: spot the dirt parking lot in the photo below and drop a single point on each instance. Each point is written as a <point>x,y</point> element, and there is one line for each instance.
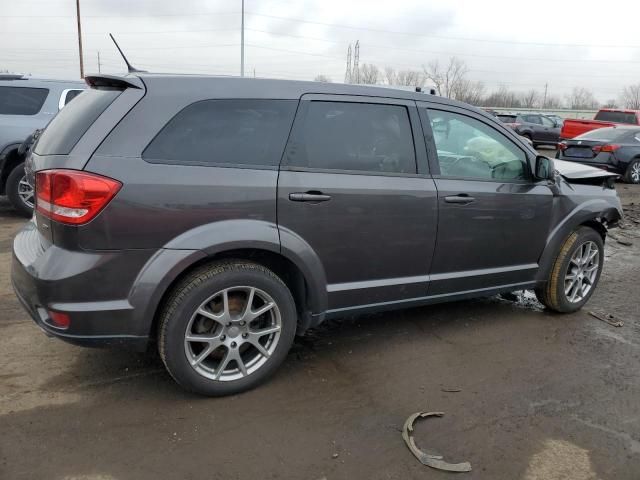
<point>526,395</point>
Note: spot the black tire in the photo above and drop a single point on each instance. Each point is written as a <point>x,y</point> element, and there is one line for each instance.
<point>552,294</point>
<point>633,169</point>
<point>13,185</point>
<point>188,296</point>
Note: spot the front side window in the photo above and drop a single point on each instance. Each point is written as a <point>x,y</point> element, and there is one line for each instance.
<point>533,119</point>
<point>22,100</point>
<point>547,122</point>
<point>225,132</point>
<point>363,137</point>
<point>469,148</point>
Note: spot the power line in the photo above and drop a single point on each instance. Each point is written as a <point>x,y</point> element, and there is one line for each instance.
<point>127,16</point>
<point>412,34</point>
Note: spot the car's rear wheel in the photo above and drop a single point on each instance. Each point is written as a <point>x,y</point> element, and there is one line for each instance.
<point>575,272</point>
<point>226,328</point>
<point>632,175</point>
<point>19,192</point>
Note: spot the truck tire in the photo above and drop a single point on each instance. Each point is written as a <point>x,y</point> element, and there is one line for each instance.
<point>19,192</point>
<point>575,272</point>
<point>226,327</point>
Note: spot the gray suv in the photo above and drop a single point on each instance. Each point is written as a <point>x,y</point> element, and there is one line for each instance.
<point>26,105</point>
<point>220,217</point>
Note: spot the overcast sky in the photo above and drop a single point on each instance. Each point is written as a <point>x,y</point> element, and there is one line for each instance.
<point>519,44</point>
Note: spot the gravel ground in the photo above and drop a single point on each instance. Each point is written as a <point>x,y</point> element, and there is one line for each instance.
<point>526,395</point>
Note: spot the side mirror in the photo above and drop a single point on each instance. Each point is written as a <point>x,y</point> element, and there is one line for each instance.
<point>544,168</point>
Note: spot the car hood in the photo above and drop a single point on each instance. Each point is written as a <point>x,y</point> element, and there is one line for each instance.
<point>578,171</point>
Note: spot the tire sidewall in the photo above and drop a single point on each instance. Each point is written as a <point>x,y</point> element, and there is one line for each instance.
<point>583,235</point>
<point>174,355</point>
<point>13,181</point>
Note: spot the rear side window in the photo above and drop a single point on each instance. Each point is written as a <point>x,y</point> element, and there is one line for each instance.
<point>374,138</point>
<point>22,100</point>
<point>617,117</point>
<point>70,123</point>
<point>225,132</point>
<point>70,95</point>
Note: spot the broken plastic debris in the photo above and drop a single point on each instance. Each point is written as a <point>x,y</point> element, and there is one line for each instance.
<point>433,461</point>
<point>607,318</point>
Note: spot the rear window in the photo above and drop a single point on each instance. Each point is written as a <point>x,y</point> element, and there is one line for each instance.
<point>225,132</point>
<point>604,134</point>
<point>68,126</point>
<point>507,118</point>
<point>617,117</point>
<point>22,100</point>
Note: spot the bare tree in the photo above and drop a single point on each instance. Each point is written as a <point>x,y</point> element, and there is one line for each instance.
<point>390,76</point>
<point>470,91</point>
<point>322,78</point>
<point>369,74</point>
<point>581,98</point>
<point>531,99</point>
<point>631,96</point>
<point>411,78</point>
<point>553,102</point>
<point>446,79</point>
<point>611,103</point>
<point>504,98</point>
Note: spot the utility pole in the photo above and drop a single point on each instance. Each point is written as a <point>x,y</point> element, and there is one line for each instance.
<point>80,38</point>
<point>356,61</point>
<point>99,62</point>
<point>242,42</point>
<point>544,102</point>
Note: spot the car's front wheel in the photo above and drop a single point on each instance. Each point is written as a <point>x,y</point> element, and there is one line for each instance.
<point>20,192</point>
<point>226,328</point>
<point>575,272</point>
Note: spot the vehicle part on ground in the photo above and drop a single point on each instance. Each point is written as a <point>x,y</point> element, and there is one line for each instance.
<point>20,192</point>
<point>608,318</point>
<point>433,461</point>
<point>230,340</point>
<point>575,272</point>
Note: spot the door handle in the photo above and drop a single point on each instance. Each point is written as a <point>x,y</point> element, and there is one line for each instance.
<point>314,197</point>
<point>461,199</point>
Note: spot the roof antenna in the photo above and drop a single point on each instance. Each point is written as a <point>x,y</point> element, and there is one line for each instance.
<point>130,68</point>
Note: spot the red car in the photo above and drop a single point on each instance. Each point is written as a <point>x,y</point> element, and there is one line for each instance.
<point>606,117</point>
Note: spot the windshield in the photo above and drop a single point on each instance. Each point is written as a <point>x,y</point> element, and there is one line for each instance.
<point>603,134</point>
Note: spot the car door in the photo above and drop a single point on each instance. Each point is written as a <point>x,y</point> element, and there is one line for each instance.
<point>353,186</point>
<point>538,133</point>
<point>493,217</point>
<point>551,131</point>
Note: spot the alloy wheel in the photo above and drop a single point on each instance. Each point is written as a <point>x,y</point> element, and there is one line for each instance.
<point>233,333</point>
<point>635,172</point>
<point>582,272</point>
<point>25,192</point>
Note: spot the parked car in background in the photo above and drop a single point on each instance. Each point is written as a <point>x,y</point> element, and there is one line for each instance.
<point>616,149</point>
<point>26,105</point>
<point>559,121</point>
<point>606,117</point>
<point>156,201</point>
<point>539,129</point>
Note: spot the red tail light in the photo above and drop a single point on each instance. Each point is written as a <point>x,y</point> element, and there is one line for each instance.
<point>71,196</point>
<point>605,148</point>
<point>59,320</point>
<point>562,146</point>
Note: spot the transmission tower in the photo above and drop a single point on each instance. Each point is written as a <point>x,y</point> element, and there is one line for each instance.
<point>356,62</point>
<point>347,74</point>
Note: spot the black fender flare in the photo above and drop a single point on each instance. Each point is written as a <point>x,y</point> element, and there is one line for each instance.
<point>206,241</point>
<point>596,210</point>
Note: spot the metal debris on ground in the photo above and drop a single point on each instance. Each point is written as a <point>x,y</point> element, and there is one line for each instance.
<point>450,390</point>
<point>433,461</point>
<point>607,318</point>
